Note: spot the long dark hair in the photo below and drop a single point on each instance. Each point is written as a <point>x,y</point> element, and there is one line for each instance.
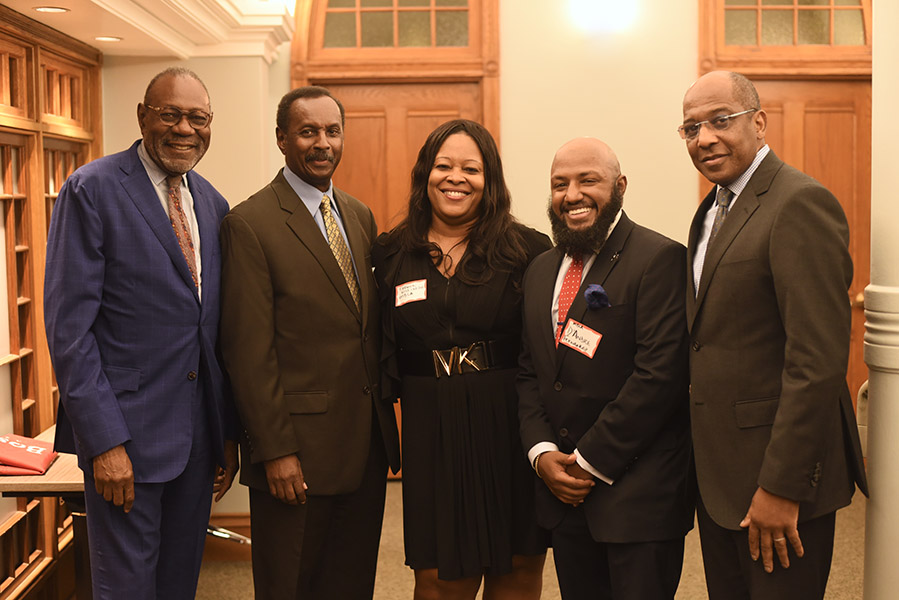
<point>494,241</point>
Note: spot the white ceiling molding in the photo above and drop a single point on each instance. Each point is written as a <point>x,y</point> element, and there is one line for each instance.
<point>195,28</point>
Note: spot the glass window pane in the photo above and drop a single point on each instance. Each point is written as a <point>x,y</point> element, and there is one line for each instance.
<point>370,3</point>
<point>414,3</point>
<point>777,2</point>
<point>814,2</point>
<point>415,28</point>
<point>341,3</point>
<point>451,3</point>
<point>814,27</point>
<point>739,2</point>
<point>739,28</point>
<point>848,2</point>
<point>452,28</point>
<point>848,28</point>
<point>340,30</point>
<point>777,28</point>
<point>377,29</point>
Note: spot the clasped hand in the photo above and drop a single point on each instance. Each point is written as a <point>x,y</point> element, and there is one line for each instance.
<point>285,479</point>
<point>564,477</point>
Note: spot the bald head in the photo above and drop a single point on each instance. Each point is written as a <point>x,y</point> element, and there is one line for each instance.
<point>587,193</point>
<point>590,151</point>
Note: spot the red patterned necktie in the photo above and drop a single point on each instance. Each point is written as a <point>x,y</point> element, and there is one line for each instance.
<point>180,225</point>
<point>570,285</point>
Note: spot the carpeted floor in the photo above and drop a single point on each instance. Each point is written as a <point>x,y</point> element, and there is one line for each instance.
<point>233,580</point>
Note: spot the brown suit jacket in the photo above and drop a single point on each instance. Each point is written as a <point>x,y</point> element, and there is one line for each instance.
<point>769,335</point>
<point>303,361</point>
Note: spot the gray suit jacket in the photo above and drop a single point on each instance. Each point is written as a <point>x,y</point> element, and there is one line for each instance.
<point>769,335</point>
<point>303,361</point>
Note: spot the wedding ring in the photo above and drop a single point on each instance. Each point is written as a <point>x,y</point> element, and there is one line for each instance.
<point>779,540</point>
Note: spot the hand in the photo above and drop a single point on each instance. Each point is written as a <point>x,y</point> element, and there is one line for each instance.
<point>224,476</point>
<point>772,520</point>
<point>285,479</point>
<point>114,478</point>
<point>566,485</point>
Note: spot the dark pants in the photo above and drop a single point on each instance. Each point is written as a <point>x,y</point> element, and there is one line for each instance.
<point>155,550</point>
<point>326,548</point>
<point>591,570</point>
<point>731,574</point>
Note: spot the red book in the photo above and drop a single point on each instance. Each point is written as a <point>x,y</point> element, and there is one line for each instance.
<point>24,456</point>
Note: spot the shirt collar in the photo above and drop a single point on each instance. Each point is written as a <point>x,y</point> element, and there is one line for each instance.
<point>740,183</point>
<point>157,175</point>
<point>309,194</point>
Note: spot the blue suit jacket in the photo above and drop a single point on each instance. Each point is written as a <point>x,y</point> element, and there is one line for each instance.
<point>133,347</point>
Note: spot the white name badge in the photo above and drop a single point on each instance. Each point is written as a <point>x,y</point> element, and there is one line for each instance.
<point>581,338</point>
<point>411,291</point>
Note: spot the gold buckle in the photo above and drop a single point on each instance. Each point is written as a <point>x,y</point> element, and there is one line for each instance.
<point>448,362</point>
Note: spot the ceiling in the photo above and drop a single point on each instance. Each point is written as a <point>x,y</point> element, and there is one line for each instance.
<point>158,28</point>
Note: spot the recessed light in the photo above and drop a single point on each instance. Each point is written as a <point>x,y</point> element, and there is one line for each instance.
<point>51,9</point>
<point>108,38</point>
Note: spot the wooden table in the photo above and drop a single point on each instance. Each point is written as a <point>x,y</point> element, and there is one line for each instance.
<point>62,480</point>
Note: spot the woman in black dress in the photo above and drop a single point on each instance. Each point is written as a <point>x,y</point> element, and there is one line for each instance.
<point>449,278</point>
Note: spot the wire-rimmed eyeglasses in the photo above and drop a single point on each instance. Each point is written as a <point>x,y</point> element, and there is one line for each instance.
<point>720,123</point>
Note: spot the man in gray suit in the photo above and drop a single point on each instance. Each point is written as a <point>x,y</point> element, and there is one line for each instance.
<point>774,433</point>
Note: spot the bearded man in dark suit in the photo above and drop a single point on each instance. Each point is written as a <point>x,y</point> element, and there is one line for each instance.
<point>603,388</point>
<point>301,339</point>
<point>774,432</point>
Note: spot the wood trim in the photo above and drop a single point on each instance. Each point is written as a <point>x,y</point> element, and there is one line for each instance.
<point>33,32</point>
<point>478,63</point>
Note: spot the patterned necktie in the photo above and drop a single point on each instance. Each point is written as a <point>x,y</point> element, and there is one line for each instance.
<point>180,225</point>
<point>722,199</point>
<point>341,252</point>
<point>570,285</point>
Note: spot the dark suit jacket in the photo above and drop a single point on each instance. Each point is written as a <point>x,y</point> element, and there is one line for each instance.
<point>770,344</point>
<point>133,347</point>
<point>625,409</point>
<point>302,359</point>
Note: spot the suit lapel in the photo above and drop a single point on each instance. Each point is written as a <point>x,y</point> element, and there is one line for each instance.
<point>307,231</point>
<point>207,224</point>
<point>545,280</point>
<point>746,204</point>
<point>139,188</point>
<point>605,261</point>
<point>692,241</point>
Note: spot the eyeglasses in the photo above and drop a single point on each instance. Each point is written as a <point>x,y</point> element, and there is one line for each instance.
<point>720,123</point>
<point>198,119</point>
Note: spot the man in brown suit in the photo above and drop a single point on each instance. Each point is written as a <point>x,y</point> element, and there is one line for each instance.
<point>300,339</point>
<point>774,432</point>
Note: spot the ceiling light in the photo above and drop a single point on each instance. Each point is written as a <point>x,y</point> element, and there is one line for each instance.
<point>51,9</point>
<point>108,38</point>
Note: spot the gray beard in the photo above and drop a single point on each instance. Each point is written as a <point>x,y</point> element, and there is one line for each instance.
<point>591,239</point>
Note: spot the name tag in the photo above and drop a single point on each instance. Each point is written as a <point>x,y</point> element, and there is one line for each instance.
<point>411,291</point>
<point>581,338</point>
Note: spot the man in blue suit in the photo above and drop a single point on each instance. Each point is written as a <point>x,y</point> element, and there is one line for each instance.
<point>132,315</point>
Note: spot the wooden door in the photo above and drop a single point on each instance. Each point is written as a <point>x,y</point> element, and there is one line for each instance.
<point>823,128</point>
<point>386,124</point>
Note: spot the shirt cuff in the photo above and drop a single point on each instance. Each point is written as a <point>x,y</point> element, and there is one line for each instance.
<point>582,462</point>
<point>538,449</point>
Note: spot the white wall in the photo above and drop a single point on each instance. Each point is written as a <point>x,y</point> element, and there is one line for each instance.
<point>559,82</point>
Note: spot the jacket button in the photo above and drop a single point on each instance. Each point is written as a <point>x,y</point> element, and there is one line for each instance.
<point>192,375</point>
<point>563,432</point>
<point>695,346</point>
<point>557,386</point>
<point>366,390</point>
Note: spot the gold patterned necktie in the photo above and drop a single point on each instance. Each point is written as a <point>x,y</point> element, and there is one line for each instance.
<point>340,250</point>
<point>180,225</point>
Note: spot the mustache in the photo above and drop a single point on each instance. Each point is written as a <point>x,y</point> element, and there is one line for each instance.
<point>316,155</point>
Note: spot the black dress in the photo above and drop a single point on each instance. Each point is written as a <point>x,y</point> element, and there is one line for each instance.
<point>468,490</point>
